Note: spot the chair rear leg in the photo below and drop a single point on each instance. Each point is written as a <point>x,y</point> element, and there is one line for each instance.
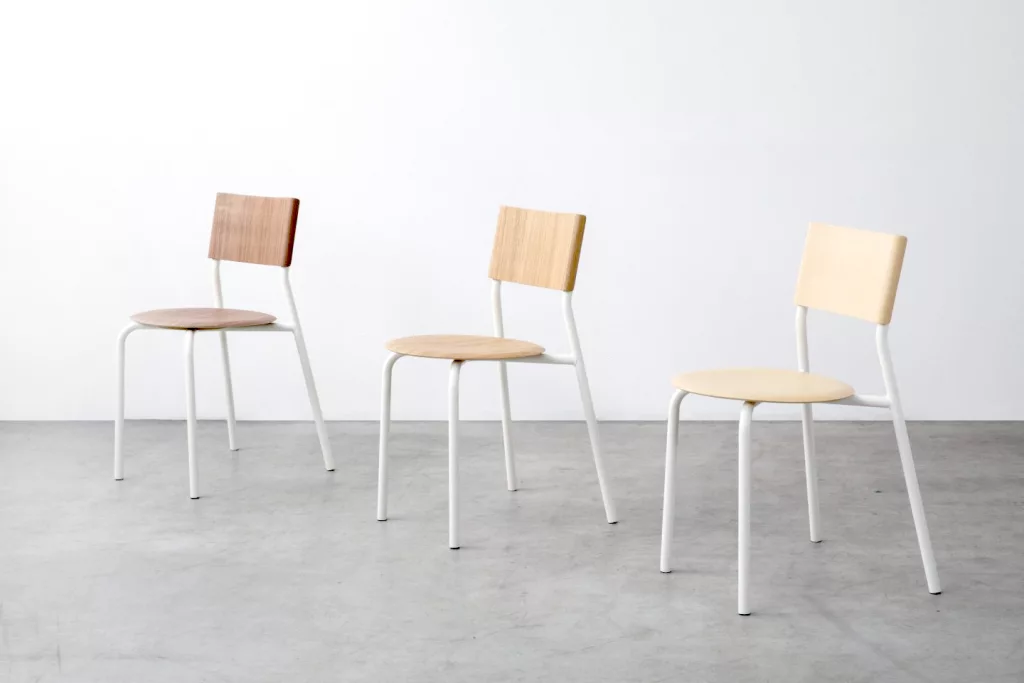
<point>595,442</point>
<point>811,471</point>
<point>229,393</point>
<point>511,480</point>
<point>924,540</point>
<point>314,402</point>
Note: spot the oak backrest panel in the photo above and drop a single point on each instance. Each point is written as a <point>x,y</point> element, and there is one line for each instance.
<point>538,248</point>
<point>254,229</point>
<point>851,272</point>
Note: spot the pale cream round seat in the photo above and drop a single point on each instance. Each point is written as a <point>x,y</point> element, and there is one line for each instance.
<point>763,385</point>
<point>463,347</point>
<point>202,318</point>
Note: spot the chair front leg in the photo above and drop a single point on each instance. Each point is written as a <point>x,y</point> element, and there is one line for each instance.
<point>811,471</point>
<point>743,511</point>
<point>453,455</point>
<point>229,393</point>
<point>385,428</point>
<point>190,414</point>
<point>314,400</point>
<point>119,413</point>
<point>669,502</point>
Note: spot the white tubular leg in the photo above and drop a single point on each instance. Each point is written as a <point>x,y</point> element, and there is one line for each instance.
<point>511,479</point>
<point>190,414</point>
<point>314,400</point>
<point>229,393</point>
<point>385,427</point>
<point>743,511</point>
<point>453,455</point>
<point>119,415</point>
<point>924,540</point>
<point>595,441</point>
<point>588,410</point>
<point>669,504</point>
<point>307,373</point>
<point>810,463</point>
<point>811,468</point>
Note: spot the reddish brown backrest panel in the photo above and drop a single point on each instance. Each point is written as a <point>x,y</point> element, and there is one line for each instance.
<point>254,229</point>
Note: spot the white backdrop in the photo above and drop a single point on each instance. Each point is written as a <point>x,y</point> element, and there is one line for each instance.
<point>698,137</point>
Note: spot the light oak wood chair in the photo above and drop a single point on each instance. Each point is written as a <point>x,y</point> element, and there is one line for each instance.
<point>535,248</point>
<point>845,271</point>
<point>246,229</point>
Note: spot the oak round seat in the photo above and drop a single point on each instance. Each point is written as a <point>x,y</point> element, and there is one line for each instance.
<point>463,347</point>
<point>763,385</point>
<point>202,318</point>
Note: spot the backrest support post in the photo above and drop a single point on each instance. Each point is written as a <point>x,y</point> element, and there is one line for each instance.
<point>218,296</point>
<point>803,359</point>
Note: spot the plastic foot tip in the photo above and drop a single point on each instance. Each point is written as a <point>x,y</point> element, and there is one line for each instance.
<point>193,497</point>
<point>454,547</point>
<point>936,592</point>
<point>666,571</point>
<point>614,522</point>
<point>813,541</point>
<point>382,519</point>
<point>744,614</point>
<point>118,478</point>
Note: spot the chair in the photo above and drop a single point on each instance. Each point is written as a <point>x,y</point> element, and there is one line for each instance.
<point>535,248</point>
<point>257,230</point>
<point>845,271</point>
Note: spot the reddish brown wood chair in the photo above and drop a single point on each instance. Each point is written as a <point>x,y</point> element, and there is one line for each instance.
<point>257,230</point>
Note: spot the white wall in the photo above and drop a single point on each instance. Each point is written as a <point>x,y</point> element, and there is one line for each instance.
<point>698,137</point>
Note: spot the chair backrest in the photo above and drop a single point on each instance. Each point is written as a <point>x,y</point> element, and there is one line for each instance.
<point>851,272</point>
<point>254,229</point>
<point>537,248</point>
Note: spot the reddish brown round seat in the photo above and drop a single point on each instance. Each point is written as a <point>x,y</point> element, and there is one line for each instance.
<point>202,318</point>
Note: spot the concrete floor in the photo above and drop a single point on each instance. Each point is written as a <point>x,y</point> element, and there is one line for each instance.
<point>281,573</point>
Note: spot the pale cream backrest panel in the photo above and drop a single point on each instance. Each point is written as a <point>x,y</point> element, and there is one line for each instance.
<point>851,272</point>
<point>537,248</point>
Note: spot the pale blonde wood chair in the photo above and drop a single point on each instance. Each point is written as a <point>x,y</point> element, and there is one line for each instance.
<point>535,248</point>
<point>258,230</point>
<point>845,271</point>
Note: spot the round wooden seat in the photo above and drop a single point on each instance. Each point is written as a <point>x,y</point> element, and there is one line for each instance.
<point>763,385</point>
<point>463,347</point>
<point>202,318</point>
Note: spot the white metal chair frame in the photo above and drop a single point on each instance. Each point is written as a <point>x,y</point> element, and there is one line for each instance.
<point>890,400</point>
<point>294,327</point>
<point>575,359</point>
